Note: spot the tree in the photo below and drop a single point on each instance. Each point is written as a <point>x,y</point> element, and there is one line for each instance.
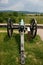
<point>1,20</point>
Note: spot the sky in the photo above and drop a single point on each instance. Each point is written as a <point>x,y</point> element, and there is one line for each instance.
<point>22,5</point>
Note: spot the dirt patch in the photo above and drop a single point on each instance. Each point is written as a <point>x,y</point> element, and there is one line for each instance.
<point>40,33</point>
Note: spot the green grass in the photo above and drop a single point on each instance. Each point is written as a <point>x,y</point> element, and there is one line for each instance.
<point>1,28</point>
<point>10,47</point>
<point>27,18</point>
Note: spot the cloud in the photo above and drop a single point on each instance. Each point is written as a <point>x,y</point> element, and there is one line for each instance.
<point>18,6</point>
<point>23,5</point>
<point>4,1</point>
<point>35,1</point>
<point>27,5</point>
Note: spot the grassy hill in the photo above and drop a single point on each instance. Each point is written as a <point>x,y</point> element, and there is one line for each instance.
<point>10,47</point>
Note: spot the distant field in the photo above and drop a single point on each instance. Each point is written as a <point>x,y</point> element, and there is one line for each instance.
<point>17,16</point>
<point>28,18</point>
<point>9,50</point>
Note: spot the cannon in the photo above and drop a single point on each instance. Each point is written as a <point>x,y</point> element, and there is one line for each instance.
<point>22,28</point>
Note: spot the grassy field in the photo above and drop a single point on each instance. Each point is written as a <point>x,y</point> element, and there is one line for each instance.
<point>17,16</point>
<point>28,18</point>
<point>10,47</point>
